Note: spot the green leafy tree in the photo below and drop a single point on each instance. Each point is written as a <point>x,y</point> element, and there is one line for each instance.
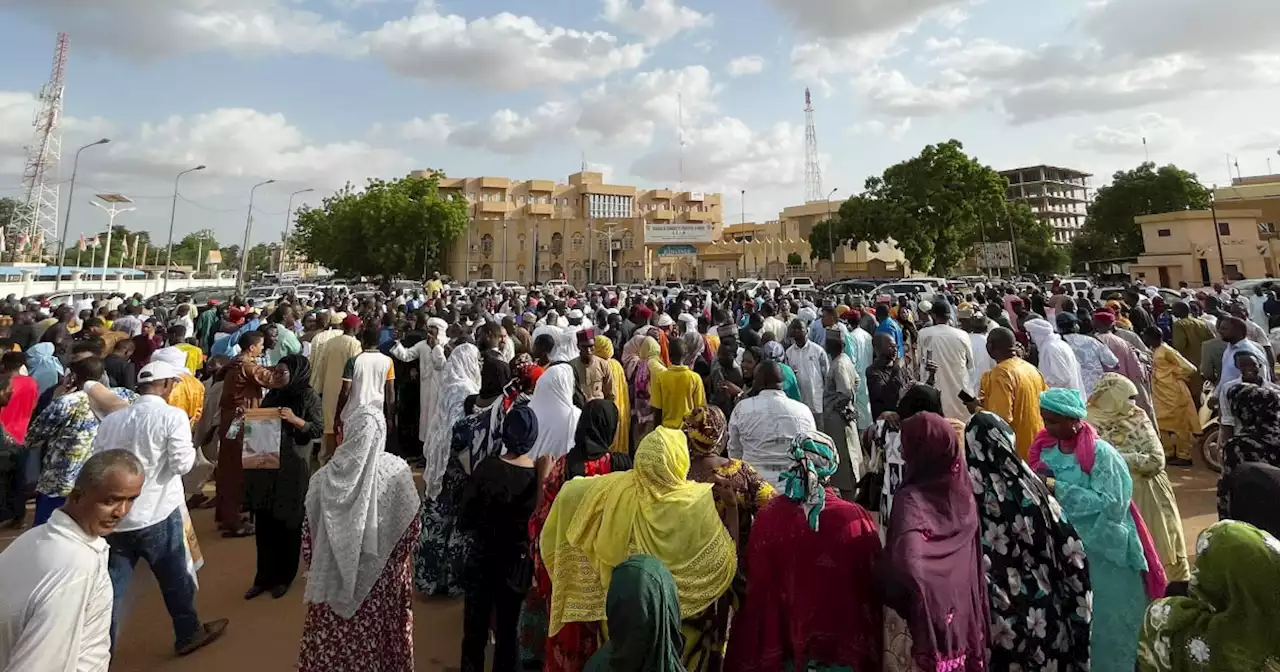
<point>8,206</point>
<point>794,259</point>
<point>1110,231</point>
<point>391,228</point>
<point>193,246</point>
<point>1037,252</point>
<point>930,206</point>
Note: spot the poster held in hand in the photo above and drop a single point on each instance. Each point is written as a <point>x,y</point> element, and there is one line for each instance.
<point>261,439</point>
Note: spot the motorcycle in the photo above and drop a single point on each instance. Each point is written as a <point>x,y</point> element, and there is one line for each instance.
<point>1208,442</point>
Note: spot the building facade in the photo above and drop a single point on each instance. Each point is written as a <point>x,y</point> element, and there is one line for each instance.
<point>1183,247</point>
<point>588,231</point>
<point>1058,196</point>
<point>584,231</point>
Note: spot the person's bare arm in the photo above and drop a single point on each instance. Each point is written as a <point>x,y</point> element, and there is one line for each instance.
<point>389,405</point>
<point>342,405</point>
<point>102,399</point>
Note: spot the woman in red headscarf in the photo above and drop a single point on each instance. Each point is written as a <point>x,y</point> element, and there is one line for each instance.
<point>935,593</point>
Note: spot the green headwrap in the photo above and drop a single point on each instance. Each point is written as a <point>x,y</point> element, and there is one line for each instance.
<point>643,613</point>
<point>815,460</point>
<point>1064,402</point>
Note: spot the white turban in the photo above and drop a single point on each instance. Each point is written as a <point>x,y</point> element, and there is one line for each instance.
<point>173,357</point>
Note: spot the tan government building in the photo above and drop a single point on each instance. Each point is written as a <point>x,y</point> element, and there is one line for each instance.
<point>588,231</point>
<point>1184,247</point>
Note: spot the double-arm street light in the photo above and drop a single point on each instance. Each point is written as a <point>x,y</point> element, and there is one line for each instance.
<point>71,196</point>
<point>288,216</point>
<point>168,260</point>
<point>244,250</point>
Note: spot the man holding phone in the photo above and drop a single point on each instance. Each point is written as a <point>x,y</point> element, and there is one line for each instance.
<point>948,352</point>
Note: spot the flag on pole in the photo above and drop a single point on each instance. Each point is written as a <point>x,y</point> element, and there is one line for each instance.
<point>22,242</point>
<point>39,247</point>
<point>95,243</point>
<point>124,247</point>
<point>81,244</point>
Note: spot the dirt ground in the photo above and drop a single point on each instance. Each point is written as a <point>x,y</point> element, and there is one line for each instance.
<point>264,633</point>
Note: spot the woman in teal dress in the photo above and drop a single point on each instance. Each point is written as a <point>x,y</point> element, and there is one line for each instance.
<point>1092,483</point>
<point>774,352</point>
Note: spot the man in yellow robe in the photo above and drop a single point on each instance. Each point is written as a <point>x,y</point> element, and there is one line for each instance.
<point>1177,420</point>
<point>1012,389</point>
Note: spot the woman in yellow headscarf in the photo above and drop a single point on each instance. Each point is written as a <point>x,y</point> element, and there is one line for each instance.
<point>597,523</point>
<point>622,440</point>
<point>647,370</point>
<point>1127,427</point>
<point>1122,314</point>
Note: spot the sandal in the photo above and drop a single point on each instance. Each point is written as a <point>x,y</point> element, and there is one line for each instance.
<point>246,531</point>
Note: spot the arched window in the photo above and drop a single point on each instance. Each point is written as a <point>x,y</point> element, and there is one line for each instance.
<point>520,273</point>
<point>577,276</point>
<point>577,243</point>
<point>556,270</point>
<point>557,245</point>
<point>486,271</point>
<point>521,239</point>
<point>486,245</point>
<point>628,240</point>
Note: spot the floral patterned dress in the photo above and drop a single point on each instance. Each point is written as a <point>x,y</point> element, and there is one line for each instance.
<point>706,634</point>
<point>1037,575</point>
<point>379,637</point>
<point>442,552</point>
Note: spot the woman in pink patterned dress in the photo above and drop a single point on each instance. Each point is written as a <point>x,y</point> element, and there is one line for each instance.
<point>359,604</point>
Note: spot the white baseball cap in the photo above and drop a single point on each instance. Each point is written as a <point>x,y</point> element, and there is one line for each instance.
<point>157,371</point>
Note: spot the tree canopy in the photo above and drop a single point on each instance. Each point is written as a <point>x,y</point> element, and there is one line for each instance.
<point>390,228</point>
<point>935,207</point>
<point>1110,232</point>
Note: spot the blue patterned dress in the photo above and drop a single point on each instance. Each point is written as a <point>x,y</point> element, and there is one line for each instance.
<point>442,552</point>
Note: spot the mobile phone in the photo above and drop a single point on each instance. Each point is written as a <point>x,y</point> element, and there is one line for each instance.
<point>965,397</point>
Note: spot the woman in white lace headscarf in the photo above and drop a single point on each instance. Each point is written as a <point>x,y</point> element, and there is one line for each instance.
<point>358,539</point>
<point>459,380</point>
<point>1058,363</point>
<point>552,403</point>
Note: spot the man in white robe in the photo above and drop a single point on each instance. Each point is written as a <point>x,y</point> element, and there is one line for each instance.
<point>810,363</point>
<point>950,350</point>
<point>429,354</point>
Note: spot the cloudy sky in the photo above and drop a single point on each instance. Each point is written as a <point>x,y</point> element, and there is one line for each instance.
<point>314,93</point>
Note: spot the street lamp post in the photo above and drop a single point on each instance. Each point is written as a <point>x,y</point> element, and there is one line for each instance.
<point>115,200</point>
<point>244,250</point>
<point>831,245</point>
<point>288,216</point>
<point>71,196</point>
<point>173,211</point>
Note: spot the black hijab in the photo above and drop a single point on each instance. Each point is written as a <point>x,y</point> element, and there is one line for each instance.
<point>596,428</point>
<point>1253,488</point>
<point>920,398</point>
<point>494,375</point>
<point>294,394</point>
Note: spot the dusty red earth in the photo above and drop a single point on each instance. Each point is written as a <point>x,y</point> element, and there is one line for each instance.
<point>264,633</point>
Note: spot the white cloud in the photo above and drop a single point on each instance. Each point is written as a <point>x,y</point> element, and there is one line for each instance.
<point>655,20</point>
<point>503,52</point>
<point>1183,27</point>
<point>836,19</point>
<point>890,92</point>
<point>746,65</point>
<point>509,132</point>
<point>728,154</point>
<point>817,59</point>
<point>878,129</point>
<point>434,129</point>
<point>148,30</point>
<point>1149,132</point>
<point>626,112</point>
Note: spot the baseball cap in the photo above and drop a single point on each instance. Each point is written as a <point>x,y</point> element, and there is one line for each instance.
<point>156,371</point>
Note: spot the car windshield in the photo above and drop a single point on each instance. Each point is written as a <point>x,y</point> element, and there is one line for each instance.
<point>261,292</point>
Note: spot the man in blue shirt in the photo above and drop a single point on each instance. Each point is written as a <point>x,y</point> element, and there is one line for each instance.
<point>886,325</point>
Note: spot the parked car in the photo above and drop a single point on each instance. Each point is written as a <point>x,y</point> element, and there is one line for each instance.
<point>513,286</point>
<point>798,283</point>
<point>896,289</point>
<point>850,287</point>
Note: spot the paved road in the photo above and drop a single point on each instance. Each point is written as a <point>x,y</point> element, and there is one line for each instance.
<point>264,633</point>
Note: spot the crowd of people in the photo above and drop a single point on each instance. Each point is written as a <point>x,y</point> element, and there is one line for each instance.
<point>654,481</point>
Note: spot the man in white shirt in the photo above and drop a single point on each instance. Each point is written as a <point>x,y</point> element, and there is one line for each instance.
<point>761,427</point>
<point>160,436</point>
<point>429,354</point>
<point>129,322</point>
<point>951,350</point>
<point>55,591</point>
<point>810,363</point>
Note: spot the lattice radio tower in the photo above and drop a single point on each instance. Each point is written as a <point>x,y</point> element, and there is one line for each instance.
<point>37,218</point>
<point>812,170</point>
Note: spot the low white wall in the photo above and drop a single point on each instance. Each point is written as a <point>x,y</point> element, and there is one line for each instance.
<point>27,285</point>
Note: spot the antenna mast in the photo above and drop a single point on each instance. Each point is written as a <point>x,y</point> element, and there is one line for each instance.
<point>812,171</point>
<point>37,218</point>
